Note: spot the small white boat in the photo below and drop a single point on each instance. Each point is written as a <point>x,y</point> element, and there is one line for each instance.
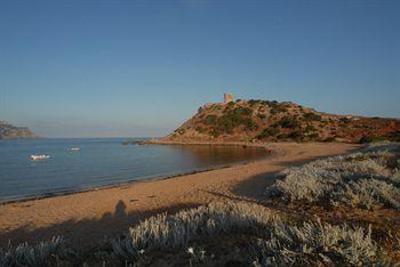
<point>74,149</point>
<point>40,157</point>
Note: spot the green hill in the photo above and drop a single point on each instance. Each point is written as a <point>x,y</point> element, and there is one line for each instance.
<point>263,120</point>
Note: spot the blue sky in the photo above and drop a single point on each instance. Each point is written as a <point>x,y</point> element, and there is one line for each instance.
<point>140,68</point>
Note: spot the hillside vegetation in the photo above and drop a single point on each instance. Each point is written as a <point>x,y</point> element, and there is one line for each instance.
<point>262,120</point>
<point>8,131</point>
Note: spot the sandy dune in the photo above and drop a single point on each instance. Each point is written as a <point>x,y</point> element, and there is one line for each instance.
<point>86,218</point>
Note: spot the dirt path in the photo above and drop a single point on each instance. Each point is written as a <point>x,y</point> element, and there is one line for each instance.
<point>86,218</point>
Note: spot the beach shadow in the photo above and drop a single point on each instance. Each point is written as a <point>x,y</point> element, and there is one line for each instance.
<point>120,210</point>
<point>87,234</point>
<point>254,187</point>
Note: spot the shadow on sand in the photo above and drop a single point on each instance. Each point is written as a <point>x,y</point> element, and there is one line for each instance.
<point>87,233</point>
<point>253,189</point>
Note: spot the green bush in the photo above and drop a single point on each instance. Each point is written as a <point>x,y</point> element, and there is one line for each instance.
<point>230,105</point>
<point>215,133</point>
<point>227,123</point>
<point>311,116</point>
<point>210,119</point>
<point>394,136</point>
<point>250,124</point>
<point>310,128</point>
<point>277,107</point>
<point>268,132</point>
<point>296,135</point>
<point>253,102</point>
<point>344,120</point>
<point>288,122</point>
<point>261,116</point>
<point>314,136</point>
<point>282,136</point>
<point>236,117</point>
<point>330,139</point>
<point>372,139</point>
<point>216,108</point>
<point>243,111</point>
<point>278,110</point>
<point>200,129</point>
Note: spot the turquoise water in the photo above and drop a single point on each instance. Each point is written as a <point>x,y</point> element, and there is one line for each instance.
<point>101,162</point>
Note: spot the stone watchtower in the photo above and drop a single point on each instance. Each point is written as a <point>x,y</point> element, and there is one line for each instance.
<point>228,97</point>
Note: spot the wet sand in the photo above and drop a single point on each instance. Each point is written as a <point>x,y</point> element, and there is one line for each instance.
<point>86,218</point>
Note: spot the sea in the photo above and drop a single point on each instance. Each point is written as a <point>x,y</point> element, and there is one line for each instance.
<point>102,162</point>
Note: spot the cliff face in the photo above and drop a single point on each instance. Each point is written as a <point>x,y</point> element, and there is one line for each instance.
<point>266,121</point>
<point>8,131</point>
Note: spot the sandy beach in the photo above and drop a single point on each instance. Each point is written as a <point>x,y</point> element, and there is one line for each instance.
<point>88,217</point>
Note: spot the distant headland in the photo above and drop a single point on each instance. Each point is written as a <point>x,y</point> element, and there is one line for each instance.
<point>9,131</point>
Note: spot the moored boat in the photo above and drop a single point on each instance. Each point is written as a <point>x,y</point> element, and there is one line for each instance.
<point>39,157</point>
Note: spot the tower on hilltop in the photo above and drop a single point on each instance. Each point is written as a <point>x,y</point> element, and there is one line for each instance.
<point>228,97</point>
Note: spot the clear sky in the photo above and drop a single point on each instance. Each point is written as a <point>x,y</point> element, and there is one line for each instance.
<point>140,68</point>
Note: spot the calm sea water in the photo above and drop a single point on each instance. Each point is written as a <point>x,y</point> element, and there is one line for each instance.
<point>101,162</point>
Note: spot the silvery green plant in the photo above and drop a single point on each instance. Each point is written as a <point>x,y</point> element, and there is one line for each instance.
<point>166,232</point>
<point>365,179</point>
<point>315,244</point>
<point>368,193</point>
<point>41,254</point>
<point>280,242</point>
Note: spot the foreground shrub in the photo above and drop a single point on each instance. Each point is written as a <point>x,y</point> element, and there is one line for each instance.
<point>280,242</point>
<point>45,253</point>
<point>368,193</point>
<point>316,244</point>
<point>365,179</point>
<point>265,240</point>
<point>165,232</point>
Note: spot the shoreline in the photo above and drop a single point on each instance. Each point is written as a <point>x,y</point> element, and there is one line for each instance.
<point>268,154</point>
<point>110,186</point>
<point>84,218</point>
<point>143,179</point>
<point>213,143</point>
